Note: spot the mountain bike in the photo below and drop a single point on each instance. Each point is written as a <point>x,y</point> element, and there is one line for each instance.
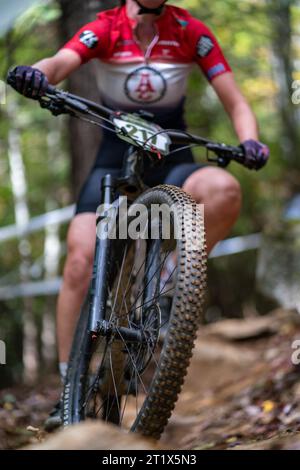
<point>120,369</point>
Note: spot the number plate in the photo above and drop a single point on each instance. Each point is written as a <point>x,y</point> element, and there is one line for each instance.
<point>142,133</point>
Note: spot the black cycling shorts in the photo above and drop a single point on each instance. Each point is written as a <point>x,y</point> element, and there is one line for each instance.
<point>174,169</point>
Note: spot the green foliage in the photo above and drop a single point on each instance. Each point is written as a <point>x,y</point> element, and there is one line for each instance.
<point>245,31</point>
<point>34,37</point>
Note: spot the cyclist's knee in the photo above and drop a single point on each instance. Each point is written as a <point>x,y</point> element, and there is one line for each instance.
<point>229,189</point>
<point>231,195</point>
<point>217,187</point>
<point>226,196</point>
<point>78,269</point>
<point>81,245</point>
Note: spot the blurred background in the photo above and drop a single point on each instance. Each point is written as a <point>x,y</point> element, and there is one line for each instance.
<point>43,162</point>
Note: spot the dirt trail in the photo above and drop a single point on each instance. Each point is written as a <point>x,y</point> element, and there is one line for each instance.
<point>242,391</point>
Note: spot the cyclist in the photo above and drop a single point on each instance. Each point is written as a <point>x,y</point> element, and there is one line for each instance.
<point>145,50</point>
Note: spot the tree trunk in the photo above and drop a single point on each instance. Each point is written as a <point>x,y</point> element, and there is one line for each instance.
<point>22,216</point>
<point>84,137</point>
<point>280,14</point>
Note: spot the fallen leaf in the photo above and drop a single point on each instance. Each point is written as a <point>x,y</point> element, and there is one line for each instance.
<point>268,406</point>
<point>32,429</point>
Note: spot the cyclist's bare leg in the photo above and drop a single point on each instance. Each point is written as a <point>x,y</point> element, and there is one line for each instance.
<point>220,193</point>
<point>76,277</point>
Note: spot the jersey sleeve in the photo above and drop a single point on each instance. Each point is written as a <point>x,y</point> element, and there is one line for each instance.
<point>91,41</point>
<point>207,51</point>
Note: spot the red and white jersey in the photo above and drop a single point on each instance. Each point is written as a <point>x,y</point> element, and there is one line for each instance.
<point>131,78</point>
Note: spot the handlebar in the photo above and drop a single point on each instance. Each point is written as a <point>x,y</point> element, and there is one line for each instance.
<point>77,103</point>
<point>222,150</point>
<point>61,102</point>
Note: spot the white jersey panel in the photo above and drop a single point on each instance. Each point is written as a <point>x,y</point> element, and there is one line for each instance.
<point>154,85</point>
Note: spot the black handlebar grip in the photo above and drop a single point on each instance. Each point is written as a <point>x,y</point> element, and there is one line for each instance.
<point>11,80</point>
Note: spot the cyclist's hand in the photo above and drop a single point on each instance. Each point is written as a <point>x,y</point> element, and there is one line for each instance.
<point>256,154</point>
<point>28,81</point>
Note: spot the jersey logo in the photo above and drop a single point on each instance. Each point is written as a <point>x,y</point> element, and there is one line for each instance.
<point>89,39</point>
<point>183,23</point>
<point>145,85</point>
<point>204,46</point>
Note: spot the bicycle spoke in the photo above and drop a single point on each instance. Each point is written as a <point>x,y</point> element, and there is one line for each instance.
<point>155,298</point>
<point>90,389</point>
<point>147,284</point>
<point>124,306</point>
<point>126,399</point>
<point>129,279</point>
<point>135,375</point>
<point>129,354</point>
<point>162,290</point>
<point>127,286</point>
<point>114,383</point>
<point>118,285</point>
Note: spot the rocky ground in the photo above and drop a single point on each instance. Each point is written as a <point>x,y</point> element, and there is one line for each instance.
<point>242,392</point>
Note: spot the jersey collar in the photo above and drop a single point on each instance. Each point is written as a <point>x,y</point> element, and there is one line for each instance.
<point>133,22</point>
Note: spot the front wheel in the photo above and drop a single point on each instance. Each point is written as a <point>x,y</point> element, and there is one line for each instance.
<point>130,383</point>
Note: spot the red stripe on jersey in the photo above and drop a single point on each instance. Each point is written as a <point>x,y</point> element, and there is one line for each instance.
<point>177,30</point>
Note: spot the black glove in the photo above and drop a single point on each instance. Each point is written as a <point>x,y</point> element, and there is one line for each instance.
<point>256,154</point>
<point>28,81</point>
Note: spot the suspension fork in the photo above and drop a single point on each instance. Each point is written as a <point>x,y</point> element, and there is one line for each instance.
<point>103,268</point>
<point>102,261</point>
<point>103,271</point>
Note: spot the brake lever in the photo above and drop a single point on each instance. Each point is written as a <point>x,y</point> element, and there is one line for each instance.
<point>56,101</point>
<point>222,161</point>
<point>222,158</point>
<point>225,154</point>
<point>55,106</point>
